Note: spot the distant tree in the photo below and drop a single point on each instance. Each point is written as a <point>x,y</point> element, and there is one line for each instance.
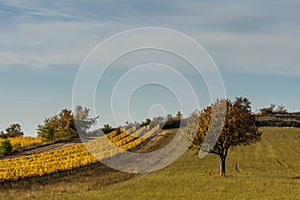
<point>5,148</point>
<point>281,110</point>
<point>173,122</point>
<point>58,127</point>
<point>178,116</point>
<point>158,120</point>
<point>268,110</point>
<point>148,121</point>
<point>14,130</point>
<point>238,128</point>
<point>272,107</point>
<point>82,120</point>
<point>107,128</point>
<point>169,117</point>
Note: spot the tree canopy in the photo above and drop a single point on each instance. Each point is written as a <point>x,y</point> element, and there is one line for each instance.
<point>58,127</point>
<point>82,120</point>
<point>65,125</point>
<point>236,128</point>
<point>13,130</point>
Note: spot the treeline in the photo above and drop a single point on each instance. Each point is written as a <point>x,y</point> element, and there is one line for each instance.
<point>66,125</point>
<point>277,117</point>
<point>168,122</point>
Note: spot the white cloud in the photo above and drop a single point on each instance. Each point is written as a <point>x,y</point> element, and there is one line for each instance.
<point>240,36</point>
<point>54,43</point>
<point>256,53</point>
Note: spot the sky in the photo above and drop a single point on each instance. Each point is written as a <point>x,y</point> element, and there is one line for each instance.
<point>255,45</point>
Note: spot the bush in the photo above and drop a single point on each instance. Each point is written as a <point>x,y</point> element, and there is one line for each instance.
<point>5,148</point>
<point>58,127</point>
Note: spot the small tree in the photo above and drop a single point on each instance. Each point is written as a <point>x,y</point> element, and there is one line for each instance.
<point>146,122</point>
<point>281,110</point>
<point>107,128</point>
<point>58,127</point>
<point>82,120</point>
<point>238,128</point>
<point>268,110</point>
<point>169,117</point>
<point>178,115</point>
<point>5,148</point>
<point>14,130</point>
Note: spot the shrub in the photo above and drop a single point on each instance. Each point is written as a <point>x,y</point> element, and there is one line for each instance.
<point>5,148</point>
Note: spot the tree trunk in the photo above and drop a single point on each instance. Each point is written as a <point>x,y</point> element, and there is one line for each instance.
<point>222,165</point>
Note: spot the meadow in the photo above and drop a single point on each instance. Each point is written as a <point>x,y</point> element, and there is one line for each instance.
<point>269,169</point>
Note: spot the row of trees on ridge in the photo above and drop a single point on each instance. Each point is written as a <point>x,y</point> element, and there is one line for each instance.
<point>66,125</point>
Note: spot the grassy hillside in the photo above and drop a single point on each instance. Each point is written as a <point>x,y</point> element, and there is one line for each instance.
<point>269,169</point>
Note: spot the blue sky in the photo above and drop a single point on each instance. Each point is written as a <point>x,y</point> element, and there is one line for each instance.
<point>255,45</point>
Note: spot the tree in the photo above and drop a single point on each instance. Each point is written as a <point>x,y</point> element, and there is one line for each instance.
<point>107,128</point>
<point>58,127</point>
<point>169,117</point>
<point>178,115</point>
<point>268,110</point>
<point>281,110</point>
<point>146,122</point>
<point>173,122</point>
<point>5,148</point>
<point>14,130</point>
<point>158,120</point>
<point>66,125</point>
<point>82,120</point>
<point>237,128</point>
<point>48,129</point>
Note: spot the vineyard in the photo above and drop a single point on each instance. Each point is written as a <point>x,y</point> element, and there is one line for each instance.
<point>20,142</point>
<point>72,157</point>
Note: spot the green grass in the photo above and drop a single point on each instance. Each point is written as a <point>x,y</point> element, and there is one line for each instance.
<point>269,169</point>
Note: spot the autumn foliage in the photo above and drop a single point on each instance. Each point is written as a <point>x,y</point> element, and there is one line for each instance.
<point>225,124</point>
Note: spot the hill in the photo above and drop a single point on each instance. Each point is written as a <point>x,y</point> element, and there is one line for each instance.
<point>268,169</point>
